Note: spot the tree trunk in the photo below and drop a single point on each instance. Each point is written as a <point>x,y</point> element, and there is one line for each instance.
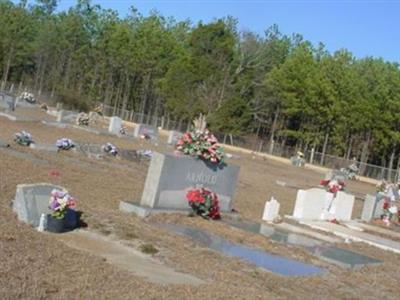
<point>7,68</point>
<point>391,161</point>
<point>365,153</point>
<point>324,148</point>
<point>349,148</point>
<point>274,123</point>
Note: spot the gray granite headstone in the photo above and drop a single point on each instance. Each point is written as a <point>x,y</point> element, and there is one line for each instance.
<point>368,208</point>
<point>170,177</point>
<point>173,137</point>
<point>378,211</point>
<point>31,200</point>
<point>144,129</point>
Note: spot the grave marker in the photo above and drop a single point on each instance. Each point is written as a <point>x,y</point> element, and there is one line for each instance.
<point>310,203</point>
<point>271,210</point>
<point>368,208</point>
<point>173,137</point>
<point>342,206</point>
<point>115,125</point>
<point>170,177</point>
<point>32,200</point>
<point>146,130</point>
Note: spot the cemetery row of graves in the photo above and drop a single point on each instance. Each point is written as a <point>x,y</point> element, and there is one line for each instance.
<point>161,214</point>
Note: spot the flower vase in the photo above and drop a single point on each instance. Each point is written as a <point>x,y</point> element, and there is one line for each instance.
<point>71,219</point>
<point>55,225</point>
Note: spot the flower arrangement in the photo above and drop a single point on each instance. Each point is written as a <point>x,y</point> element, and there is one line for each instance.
<point>333,186</point>
<point>110,149</point>
<point>65,144</point>
<point>60,201</point>
<point>122,130</point>
<point>82,119</point>
<point>201,144</point>
<point>204,203</point>
<point>23,138</point>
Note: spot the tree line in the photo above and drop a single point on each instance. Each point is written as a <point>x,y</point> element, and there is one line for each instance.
<point>279,87</point>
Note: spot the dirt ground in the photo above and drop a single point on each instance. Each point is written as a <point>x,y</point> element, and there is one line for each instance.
<point>38,266</point>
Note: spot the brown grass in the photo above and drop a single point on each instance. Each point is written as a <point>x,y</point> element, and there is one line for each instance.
<point>34,265</point>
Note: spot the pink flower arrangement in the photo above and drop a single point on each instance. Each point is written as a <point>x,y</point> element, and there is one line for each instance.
<point>60,201</point>
<point>203,145</point>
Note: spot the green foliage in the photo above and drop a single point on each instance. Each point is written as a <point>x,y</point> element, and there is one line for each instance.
<point>281,86</point>
<point>233,116</point>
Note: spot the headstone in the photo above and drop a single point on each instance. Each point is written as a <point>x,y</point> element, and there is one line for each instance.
<point>31,201</point>
<point>59,106</point>
<point>60,116</point>
<point>146,130</point>
<point>335,175</point>
<point>310,203</point>
<point>115,125</point>
<point>368,208</point>
<point>378,211</point>
<point>170,177</point>
<point>173,137</point>
<point>342,206</point>
<point>271,210</point>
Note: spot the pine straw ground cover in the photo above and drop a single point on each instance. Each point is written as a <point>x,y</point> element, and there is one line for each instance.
<point>37,266</point>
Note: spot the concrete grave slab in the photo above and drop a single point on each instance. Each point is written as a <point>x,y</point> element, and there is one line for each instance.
<point>126,258</point>
<point>354,235</point>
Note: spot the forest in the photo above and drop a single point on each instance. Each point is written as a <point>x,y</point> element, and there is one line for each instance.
<point>275,86</point>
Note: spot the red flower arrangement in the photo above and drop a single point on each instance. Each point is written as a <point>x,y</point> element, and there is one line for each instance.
<point>333,186</point>
<point>204,203</point>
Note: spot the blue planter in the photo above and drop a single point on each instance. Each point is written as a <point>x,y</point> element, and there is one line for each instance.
<point>54,225</point>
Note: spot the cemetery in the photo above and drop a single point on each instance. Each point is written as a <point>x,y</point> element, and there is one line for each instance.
<point>239,217</point>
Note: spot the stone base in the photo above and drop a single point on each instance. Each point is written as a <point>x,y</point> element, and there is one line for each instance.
<point>145,211</point>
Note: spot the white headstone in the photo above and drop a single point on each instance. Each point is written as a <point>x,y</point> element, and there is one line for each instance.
<point>342,206</point>
<point>310,203</point>
<point>271,210</point>
<point>60,116</point>
<point>115,125</point>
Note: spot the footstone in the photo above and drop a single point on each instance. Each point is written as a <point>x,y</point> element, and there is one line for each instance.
<point>146,130</point>
<point>31,201</point>
<point>173,137</point>
<point>170,177</point>
<point>4,144</point>
<point>271,210</point>
<point>115,125</point>
<point>311,203</point>
<point>368,208</point>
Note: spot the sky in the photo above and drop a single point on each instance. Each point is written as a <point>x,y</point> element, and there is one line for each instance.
<point>365,27</point>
